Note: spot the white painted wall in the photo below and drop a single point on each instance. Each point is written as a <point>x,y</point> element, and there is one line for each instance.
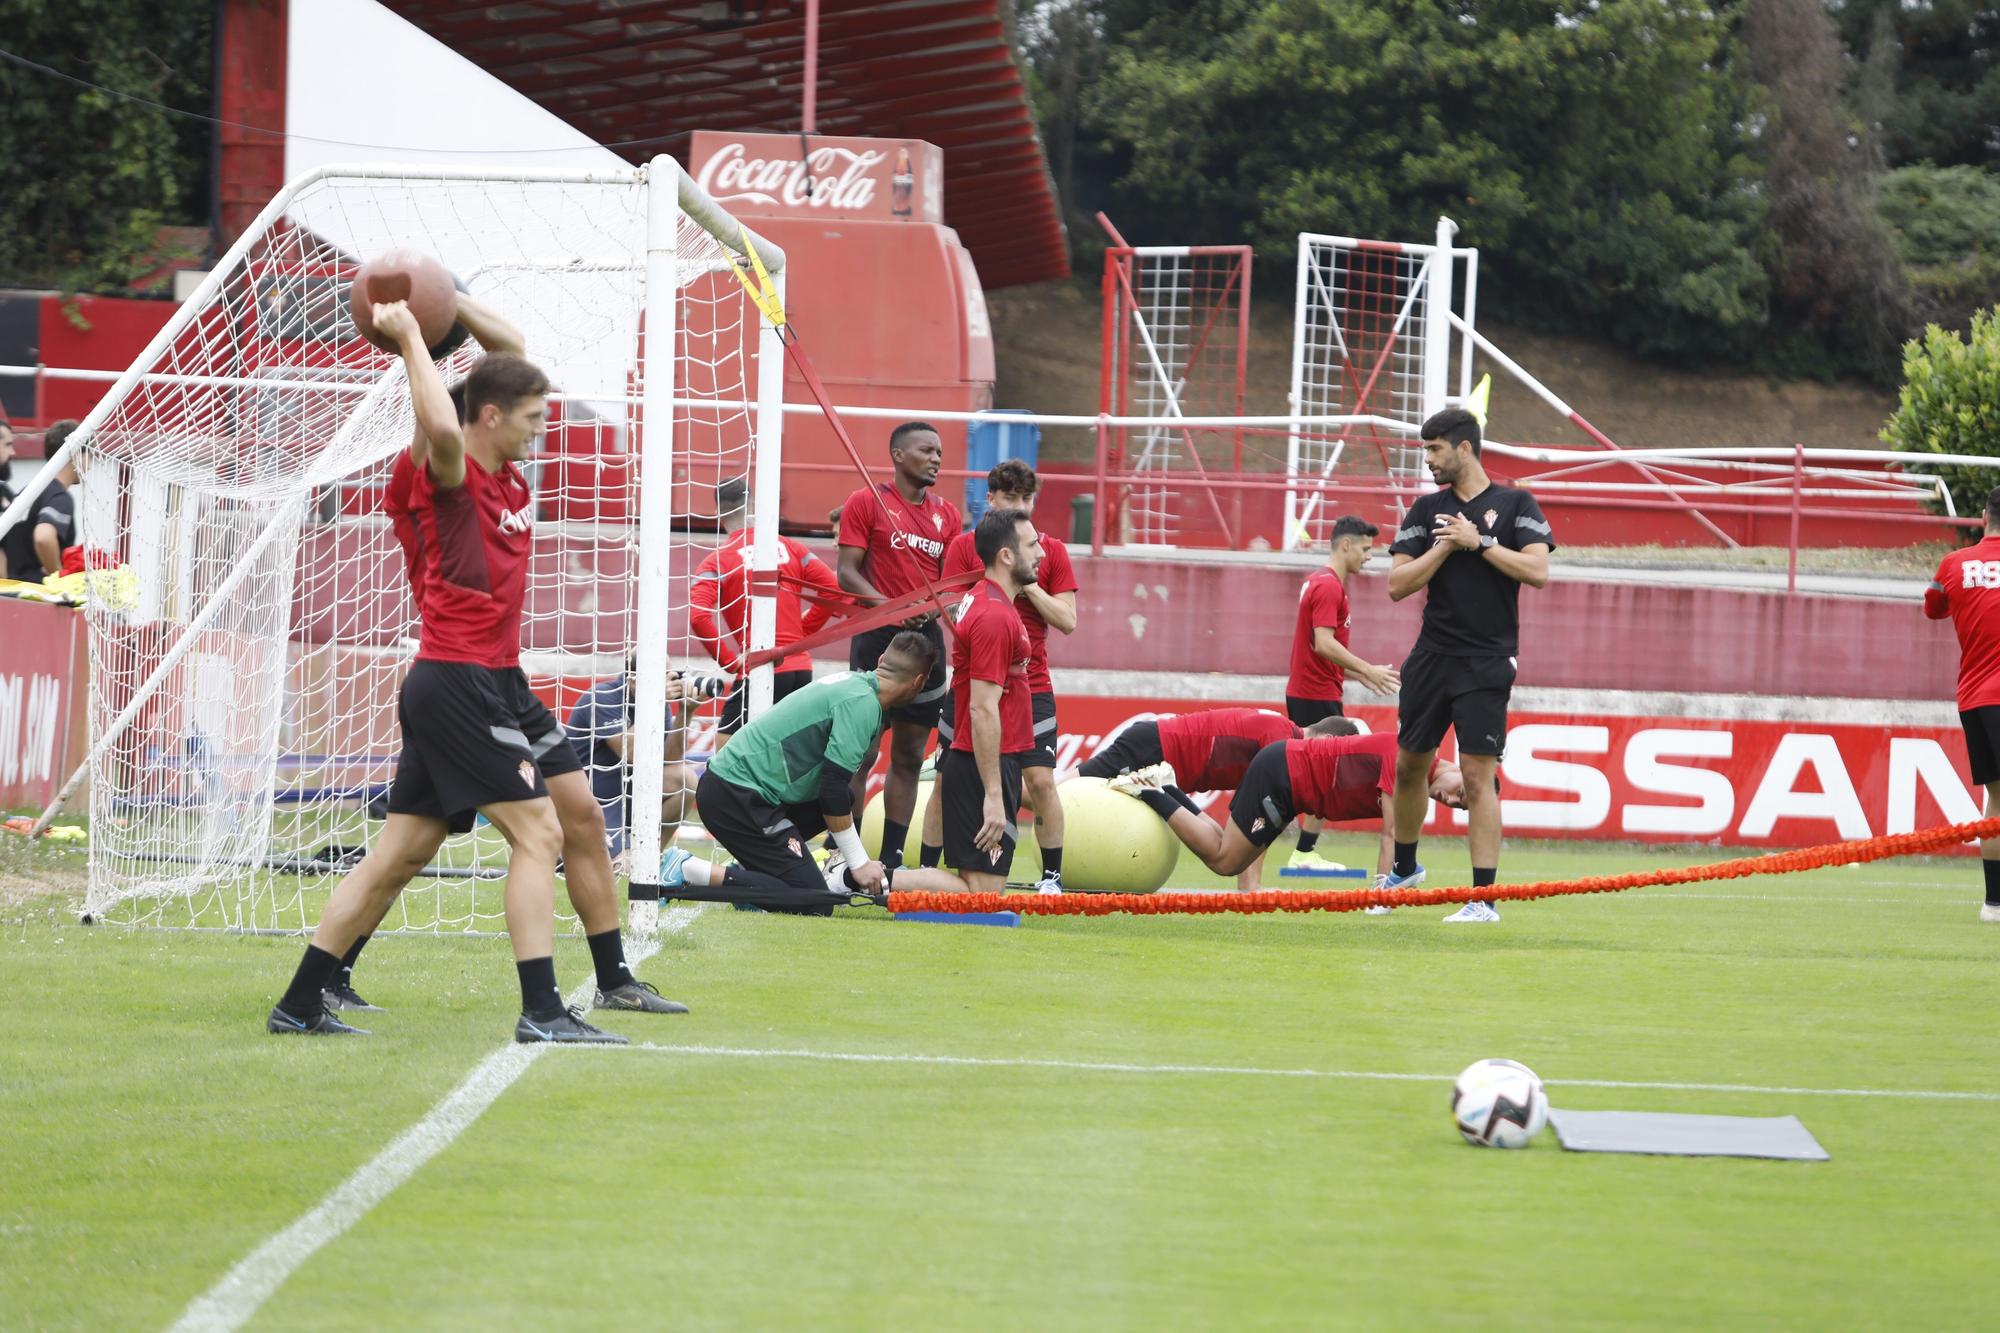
<point>422,103</point>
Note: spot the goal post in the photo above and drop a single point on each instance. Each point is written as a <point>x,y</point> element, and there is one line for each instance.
<point>249,619</point>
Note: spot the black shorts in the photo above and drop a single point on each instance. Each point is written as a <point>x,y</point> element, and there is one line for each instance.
<point>1467,694</point>
<point>1305,712</point>
<point>1044,753</point>
<point>1262,805</point>
<point>738,701</point>
<point>473,736</point>
<point>773,840</point>
<point>1136,747</point>
<point>1982,743</point>
<point>864,650</point>
<point>964,797</point>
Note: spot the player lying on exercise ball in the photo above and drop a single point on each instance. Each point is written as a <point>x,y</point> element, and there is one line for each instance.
<point>785,778</point>
<point>1333,777</point>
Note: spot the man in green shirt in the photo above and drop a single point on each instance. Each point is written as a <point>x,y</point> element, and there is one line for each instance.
<point>785,778</point>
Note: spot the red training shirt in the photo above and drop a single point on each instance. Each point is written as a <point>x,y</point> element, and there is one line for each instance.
<point>991,645</point>
<point>1210,750</point>
<point>473,543</point>
<point>721,583</point>
<point>1966,587</point>
<point>396,504</point>
<point>1054,575</point>
<point>1342,777</point>
<point>905,546</point>
<point>1322,601</point>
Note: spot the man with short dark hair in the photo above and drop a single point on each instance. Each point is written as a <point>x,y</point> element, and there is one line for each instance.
<point>719,606</point>
<point>1472,544</point>
<point>1047,603</point>
<point>1966,588</point>
<point>892,540</point>
<point>785,778</point>
<point>993,731</point>
<point>36,544</point>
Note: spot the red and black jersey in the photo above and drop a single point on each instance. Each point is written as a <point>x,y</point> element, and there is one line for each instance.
<point>902,548</point>
<point>1966,587</point>
<point>1342,777</point>
<point>1054,575</point>
<point>1210,750</point>
<point>473,541</point>
<point>719,601</point>
<point>1322,602</point>
<point>990,644</point>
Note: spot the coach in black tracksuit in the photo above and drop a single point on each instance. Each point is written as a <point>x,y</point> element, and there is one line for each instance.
<point>1471,545</point>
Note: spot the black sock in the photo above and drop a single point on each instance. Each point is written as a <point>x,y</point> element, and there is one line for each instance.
<point>541,998</point>
<point>1406,860</point>
<point>349,959</point>
<point>894,835</point>
<point>1052,862</point>
<point>1483,876</point>
<point>1158,802</point>
<point>1181,798</point>
<point>1307,841</point>
<point>316,971</point>
<point>1992,869</point>
<point>607,951</point>
<point>929,854</point>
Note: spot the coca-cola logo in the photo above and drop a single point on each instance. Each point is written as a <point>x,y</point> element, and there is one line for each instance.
<point>829,177</point>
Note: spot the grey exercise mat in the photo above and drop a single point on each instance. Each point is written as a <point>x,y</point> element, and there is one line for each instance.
<point>1781,1137</point>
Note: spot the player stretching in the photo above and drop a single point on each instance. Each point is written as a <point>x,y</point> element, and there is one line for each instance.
<point>472,730</point>
<point>1472,544</point>
<point>1204,751</point>
<point>787,776</point>
<point>722,586</point>
<point>1331,777</point>
<point>1047,603</point>
<point>1321,659</point>
<point>891,538</point>
<point>1967,588</point>
<point>409,841</point>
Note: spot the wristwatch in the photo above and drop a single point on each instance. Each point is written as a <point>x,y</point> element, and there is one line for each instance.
<point>1486,543</point>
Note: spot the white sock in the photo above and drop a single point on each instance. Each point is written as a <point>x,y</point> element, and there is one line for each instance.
<point>702,874</point>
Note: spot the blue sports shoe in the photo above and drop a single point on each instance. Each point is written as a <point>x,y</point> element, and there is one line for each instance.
<point>671,862</point>
<point>1409,881</point>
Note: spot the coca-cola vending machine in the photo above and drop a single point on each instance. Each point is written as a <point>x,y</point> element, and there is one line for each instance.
<point>883,294</point>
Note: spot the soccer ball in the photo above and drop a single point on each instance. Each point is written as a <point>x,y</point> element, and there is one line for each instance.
<point>1499,1104</point>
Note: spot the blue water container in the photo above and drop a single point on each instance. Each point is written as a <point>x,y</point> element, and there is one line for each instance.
<point>987,443</point>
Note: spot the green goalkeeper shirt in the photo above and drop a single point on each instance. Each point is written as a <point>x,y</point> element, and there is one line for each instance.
<point>836,720</point>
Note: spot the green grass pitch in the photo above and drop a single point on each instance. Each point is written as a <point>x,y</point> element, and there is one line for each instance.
<point>1234,1173</point>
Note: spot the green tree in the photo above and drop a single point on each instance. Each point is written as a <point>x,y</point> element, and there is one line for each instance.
<point>1945,224</point>
<point>1595,151</point>
<point>89,177</point>
<point>1946,55</point>
<point>1950,404</point>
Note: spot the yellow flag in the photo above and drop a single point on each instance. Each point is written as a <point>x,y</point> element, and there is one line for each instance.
<point>1476,403</point>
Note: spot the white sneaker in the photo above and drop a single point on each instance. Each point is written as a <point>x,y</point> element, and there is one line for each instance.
<point>1480,912</point>
<point>1315,860</point>
<point>1050,887</point>
<point>1989,912</point>
<point>835,869</point>
<point>1381,882</point>
<point>1150,778</point>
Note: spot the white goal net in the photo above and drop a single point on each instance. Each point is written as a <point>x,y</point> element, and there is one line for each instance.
<point>251,620</point>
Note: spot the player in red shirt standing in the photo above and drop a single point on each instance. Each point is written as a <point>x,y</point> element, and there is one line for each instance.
<point>1329,777</point>
<point>1321,659</point>
<point>1047,603</point>
<point>979,777</point>
<point>892,540</point>
<point>475,738</point>
<point>722,588</point>
<point>1966,587</point>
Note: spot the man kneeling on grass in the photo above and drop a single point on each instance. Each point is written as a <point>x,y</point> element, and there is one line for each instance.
<point>785,778</point>
<point>1332,777</point>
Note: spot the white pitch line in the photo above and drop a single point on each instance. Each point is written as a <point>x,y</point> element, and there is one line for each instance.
<point>242,1291</point>
<point>1249,1071</point>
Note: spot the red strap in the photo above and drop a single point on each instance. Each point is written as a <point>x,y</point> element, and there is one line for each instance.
<point>847,623</point>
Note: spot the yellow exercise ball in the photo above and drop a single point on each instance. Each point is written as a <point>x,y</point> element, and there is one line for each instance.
<point>1111,842</point>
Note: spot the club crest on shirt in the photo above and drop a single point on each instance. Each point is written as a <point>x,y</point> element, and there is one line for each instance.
<point>1491,516</point>
<point>527,772</point>
<point>937,521</point>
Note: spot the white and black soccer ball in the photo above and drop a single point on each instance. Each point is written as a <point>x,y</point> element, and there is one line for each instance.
<point>1499,1104</point>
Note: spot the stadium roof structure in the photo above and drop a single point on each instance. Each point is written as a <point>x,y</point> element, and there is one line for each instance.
<point>655,70</point>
